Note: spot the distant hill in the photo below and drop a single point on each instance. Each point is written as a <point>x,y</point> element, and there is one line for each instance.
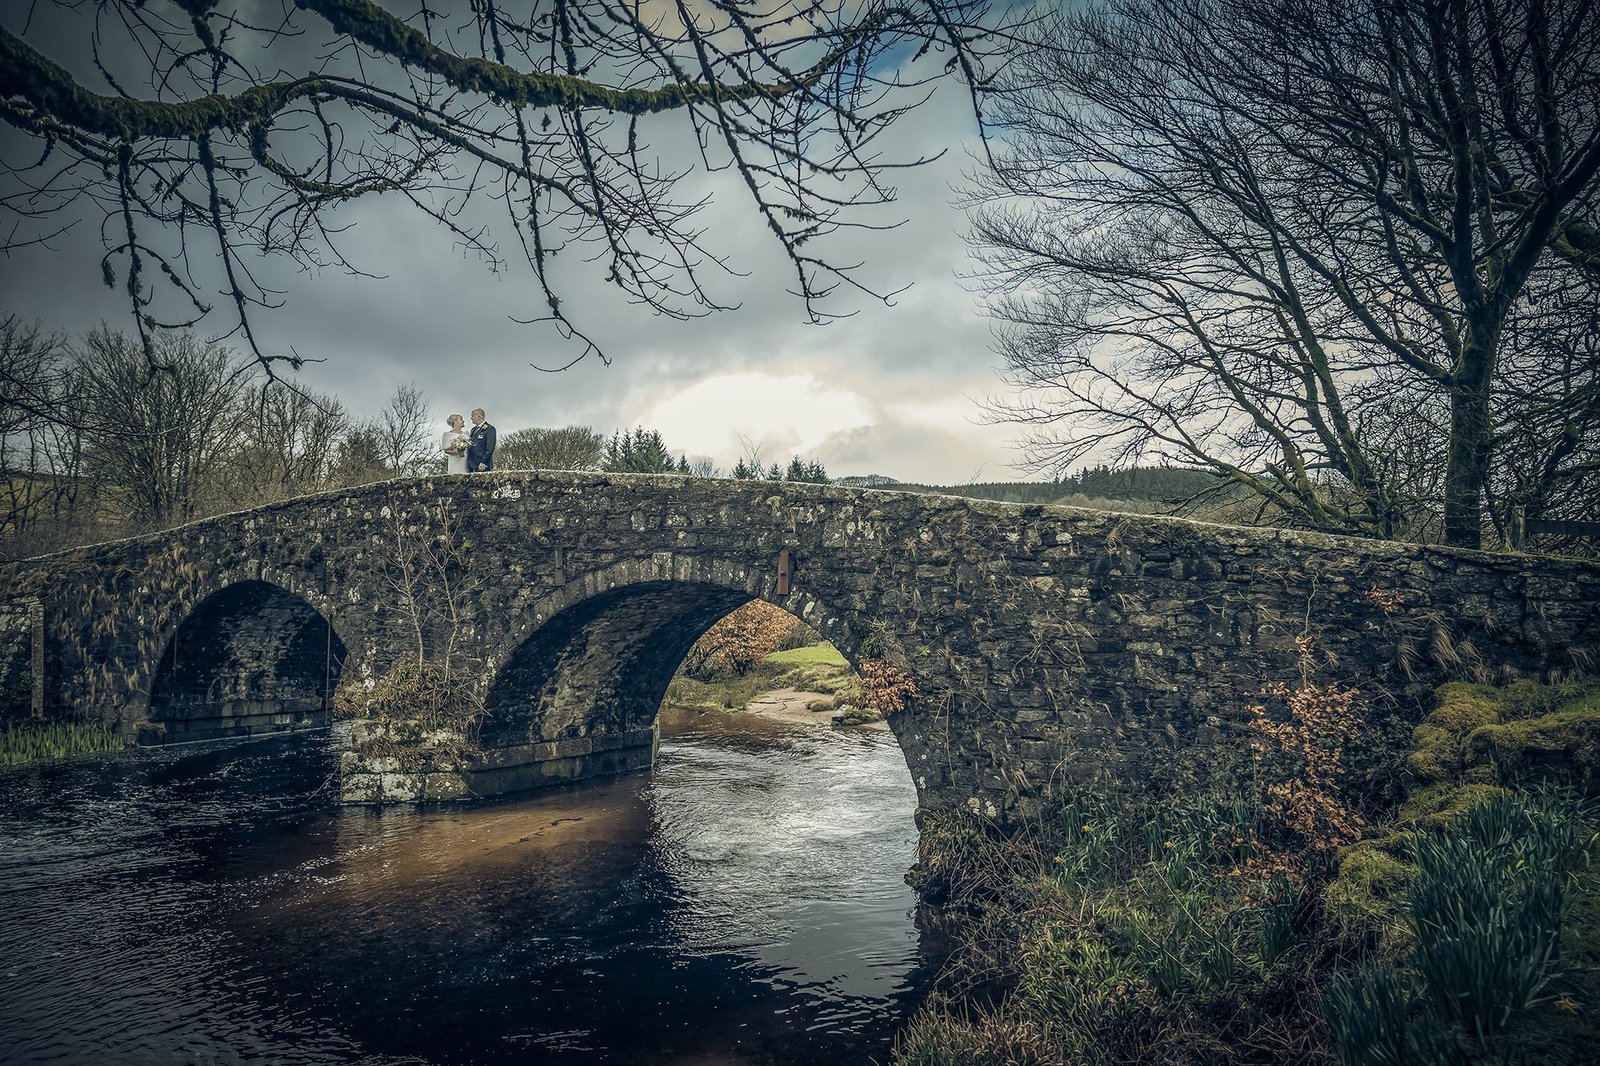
<point>1150,488</point>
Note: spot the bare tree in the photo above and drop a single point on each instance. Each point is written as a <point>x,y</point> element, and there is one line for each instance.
<point>535,448</point>
<point>405,441</point>
<point>359,459</point>
<point>159,437</point>
<point>750,463</point>
<point>289,446</point>
<point>1230,234</point>
<point>30,401</point>
<point>1546,456</point>
<point>200,131</point>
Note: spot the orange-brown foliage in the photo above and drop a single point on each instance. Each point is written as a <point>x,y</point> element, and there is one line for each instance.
<point>740,640</point>
<point>885,687</point>
<point>1309,796</point>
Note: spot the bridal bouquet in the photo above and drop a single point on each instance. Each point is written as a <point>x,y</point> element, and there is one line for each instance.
<point>458,446</point>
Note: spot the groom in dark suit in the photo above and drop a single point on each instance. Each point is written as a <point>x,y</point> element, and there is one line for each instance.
<point>480,446</point>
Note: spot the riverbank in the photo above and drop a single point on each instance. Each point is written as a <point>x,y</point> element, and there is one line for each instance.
<point>1462,927</point>
<point>810,684</point>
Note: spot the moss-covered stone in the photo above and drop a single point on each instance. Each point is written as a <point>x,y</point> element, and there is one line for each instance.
<point>1462,708</point>
<point>1526,699</point>
<point>1435,755</point>
<point>1519,733</point>
<point>1565,744</point>
<point>1437,743</point>
<point>1436,806</point>
<point>1362,902</point>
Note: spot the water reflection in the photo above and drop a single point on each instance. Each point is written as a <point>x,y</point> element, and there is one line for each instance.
<point>743,904</point>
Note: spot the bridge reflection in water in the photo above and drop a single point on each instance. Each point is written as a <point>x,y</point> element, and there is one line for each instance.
<point>743,904</point>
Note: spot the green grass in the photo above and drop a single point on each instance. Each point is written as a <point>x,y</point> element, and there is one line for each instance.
<point>819,668</point>
<point>816,655</point>
<point>21,744</point>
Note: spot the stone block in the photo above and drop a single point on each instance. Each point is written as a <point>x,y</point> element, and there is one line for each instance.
<point>366,730</point>
<point>402,788</point>
<point>360,788</point>
<point>445,788</point>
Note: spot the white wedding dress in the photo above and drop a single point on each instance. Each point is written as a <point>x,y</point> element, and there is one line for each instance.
<point>453,464</point>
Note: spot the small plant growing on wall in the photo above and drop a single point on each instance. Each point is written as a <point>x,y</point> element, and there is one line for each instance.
<point>430,593</point>
<point>1301,754</point>
<point>885,687</point>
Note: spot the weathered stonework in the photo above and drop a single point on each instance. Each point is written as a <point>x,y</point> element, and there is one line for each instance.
<point>1049,646</point>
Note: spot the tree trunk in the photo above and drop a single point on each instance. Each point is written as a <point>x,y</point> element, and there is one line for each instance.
<point>1469,447</point>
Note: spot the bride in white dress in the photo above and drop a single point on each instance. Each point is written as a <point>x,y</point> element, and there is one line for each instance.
<point>455,459</point>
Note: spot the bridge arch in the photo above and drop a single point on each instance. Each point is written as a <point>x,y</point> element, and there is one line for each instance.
<point>575,690</point>
<point>252,657</point>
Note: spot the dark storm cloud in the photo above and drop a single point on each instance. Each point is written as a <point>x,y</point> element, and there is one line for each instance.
<point>906,373</point>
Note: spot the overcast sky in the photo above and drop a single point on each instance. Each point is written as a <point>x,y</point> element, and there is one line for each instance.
<point>894,390</point>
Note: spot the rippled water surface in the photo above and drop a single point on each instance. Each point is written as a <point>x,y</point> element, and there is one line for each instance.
<point>743,903</point>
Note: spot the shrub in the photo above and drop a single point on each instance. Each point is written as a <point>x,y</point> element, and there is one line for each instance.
<point>1115,934</point>
<point>423,692</point>
<point>1305,750</point>
<point>739,640</point>
<point>885,688</point>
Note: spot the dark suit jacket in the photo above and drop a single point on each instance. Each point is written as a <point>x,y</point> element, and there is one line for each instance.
<point>481,447</point>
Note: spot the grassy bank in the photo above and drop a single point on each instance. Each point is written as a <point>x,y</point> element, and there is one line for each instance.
<point>30,742</point>
<point>818,668</point>
<point>1464,928</point>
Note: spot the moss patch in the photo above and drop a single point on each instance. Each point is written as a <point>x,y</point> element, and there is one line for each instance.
<point>1564,744</point>
<point>1438,749</point>
<point>1521,733</point>
<point>1435,806</point>
<point>1363,902</point>
<point>1462,708</point>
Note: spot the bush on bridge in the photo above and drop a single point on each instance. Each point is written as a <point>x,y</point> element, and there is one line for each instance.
<point>414,691</point>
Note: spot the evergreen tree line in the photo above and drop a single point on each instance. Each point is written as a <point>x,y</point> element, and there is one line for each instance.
<point>1156,488</point>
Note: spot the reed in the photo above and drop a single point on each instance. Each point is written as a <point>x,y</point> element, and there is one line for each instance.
<point>28,743</point>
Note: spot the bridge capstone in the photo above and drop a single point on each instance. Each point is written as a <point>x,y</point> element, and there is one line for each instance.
<point>1050,647</point>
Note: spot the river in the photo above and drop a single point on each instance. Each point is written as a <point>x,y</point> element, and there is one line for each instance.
<point>741,904</point>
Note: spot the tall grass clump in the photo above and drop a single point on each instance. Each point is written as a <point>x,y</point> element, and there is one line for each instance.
<point>1485,912</point>
<point>28,743</point>
<point>1115,934</point>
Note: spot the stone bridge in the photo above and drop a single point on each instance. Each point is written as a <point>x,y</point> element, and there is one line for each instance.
<point>1049,646</point>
